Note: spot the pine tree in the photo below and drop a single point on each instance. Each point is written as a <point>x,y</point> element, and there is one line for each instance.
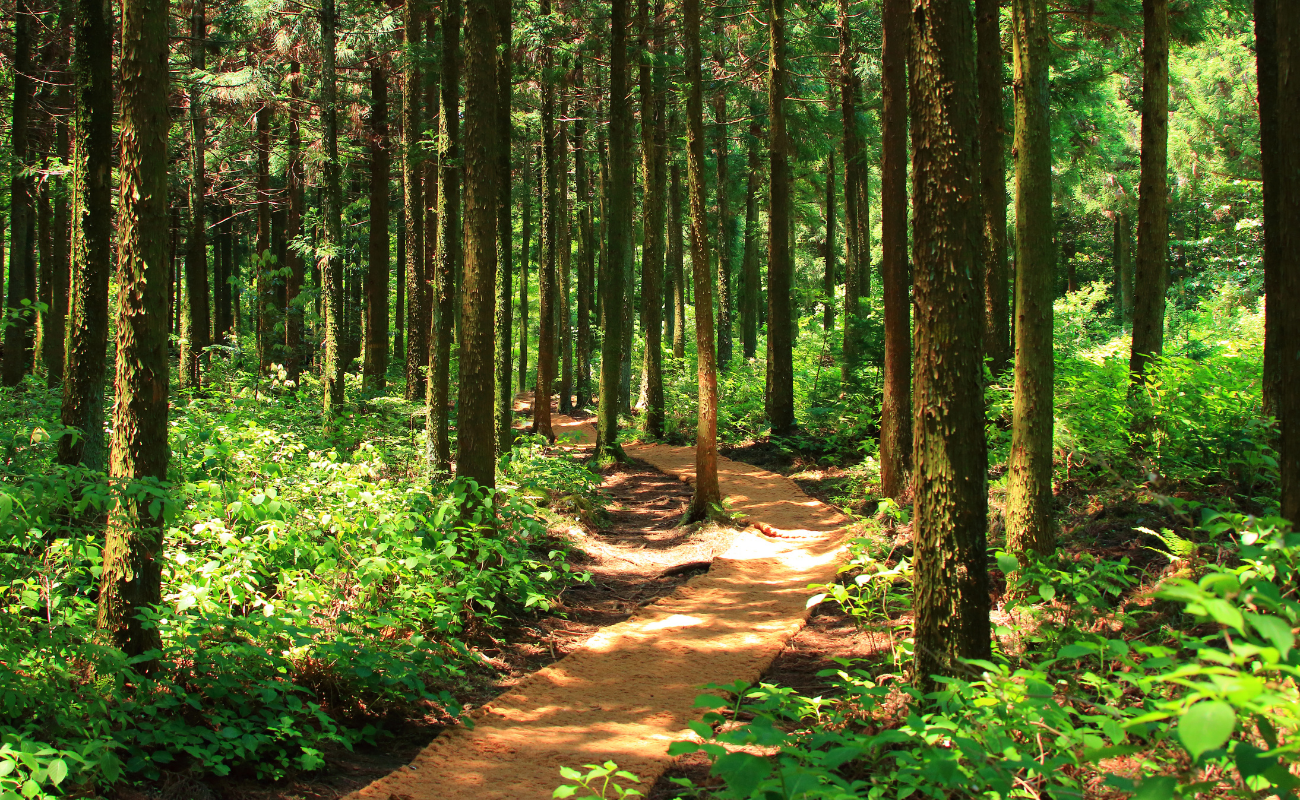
<point>779,268</point>
<point>993,183</point>
<point>330,259</point>
<point>375,365</point>
<point>450,257</point>
<point>18,336</point>
<point>1151,273</point>
<point>413,201</point>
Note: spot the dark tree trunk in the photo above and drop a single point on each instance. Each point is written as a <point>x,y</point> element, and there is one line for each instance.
<point>993,183</point>
<point>197,319</point>
<point>707,496</point>
<point>586,278</point>
<point>450,245</point>
<point>1287,161</point>
<point>132,576</point>
<point>1152,272</point>
<point>293,344</point>
<point>18,336</point>
<point>475,419</point>
<point>725,222</point>
<point>1266,71</point>
<point>564,264</point>
<point>952,588</point>
<point>1030,522</point>
<point>417,345</point>
<point>652,221</point>
<point>375,366</point>
<point>618,232</point>
<point>331,266</point>
<point>781,405</point>
<point>265,280</point>
<point>896,405</point>
<point>677,260</point>
<point>505,232</point>
<point>524,256</point>
<point>828,275</point>
<point>546,289</point>
<point>750,279</point>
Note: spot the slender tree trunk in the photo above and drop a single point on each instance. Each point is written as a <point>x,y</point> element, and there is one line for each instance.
<point>132,578</point>
<point>196,321</point>
<point>17,337</point>
<point>652,226</point>
<point>524,256</point>
<point>265,281</point>
<point>331,264</point>
<point>828,276</point>
<point>546,289</point>
<point>375,365</point>
<point>293,344</point>
<point>564,243</point>
<point>505,231</point>
<point>1030,522</point>
<point>779,278</point>
<point>707,495</point>
<point>581,180</point>
<point>1152,270</point>
<point>1266,70</point>
<point>1287,161</point>
<point>677,259</point>
<point>619,233</point>
<point>952,589</point>
<point>44,327</point>
<point>993,183</point>
<point>725,221</point>
<point>857,269</point>
<point>895,411</point>
<point>749,267</point>
<point>417,345</point>
<point>476,434</point>
<point>450,244</point>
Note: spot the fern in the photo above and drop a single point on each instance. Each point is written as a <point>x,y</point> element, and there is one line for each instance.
<point>1176,548</point>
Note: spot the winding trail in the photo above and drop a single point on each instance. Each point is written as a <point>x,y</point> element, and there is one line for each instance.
<point>628,693</point>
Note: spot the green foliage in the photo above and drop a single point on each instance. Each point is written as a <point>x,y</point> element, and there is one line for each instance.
<point>600,780</point>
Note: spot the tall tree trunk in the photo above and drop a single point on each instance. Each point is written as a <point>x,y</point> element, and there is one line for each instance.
<point>828,275</point>
<point>265,281</point>
<point>484,138</point>
<point>450,244</point>
<point>564,243</point>
<point>779,278</point>
<point>197,319</point>
<point>1287,160</point>
<point>725,221</point>
<point>618,232</point>
<point>293,172</point>
<point>17,337</point>
<point>132,573</point>
<point>331,265</point>
<point>45,294</point>
<point>505,231</point>
<point>582,185</point>
<point>677,259</point>
<point>1266,71</point>
<point>749,266</point>
<point>652,225</point>
<point>993,183</point>
<point>896,405</point>
<point>524,256</point>
<point>1152,271</point>
<point>375,366</point>
<point>546,289</point>
<point>707,496</point>
<point>857,268</point>
<point>1030,523</point>
<point>417,331</point>
<point>952,589</point>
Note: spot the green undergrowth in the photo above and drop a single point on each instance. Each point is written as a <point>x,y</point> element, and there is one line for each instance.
<point>317,589</point>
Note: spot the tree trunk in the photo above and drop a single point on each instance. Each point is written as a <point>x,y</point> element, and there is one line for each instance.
<point>896,405</point>
<point>197,319</point>
<point>677,259</point>
<point>1030,522</point>
<point>586,278</point>
<point>1287,264</point>
<point>564,243</point>
<point>476,434</point>
<point>619,233</point>
<point>749,267</point>
<point>781,410</point>
<point>828,275</point>
<point>132,572</point>
<point>1266,70</point>
<point>375,366</point>
<point>331,266</point>
<point>1152,272</point>
<point>652,225</point>
<point>450,246</point>
<point>293,344</point>
<point>993,183</point>
<point>952,589</point>
<point>524,256</point>
<point>721,145</point>
<point>546,289</point>
<point>503,318</point>
<point>707,496</point>
<point>17,336</point>
<point>266,266</point>
<point>417,330</point>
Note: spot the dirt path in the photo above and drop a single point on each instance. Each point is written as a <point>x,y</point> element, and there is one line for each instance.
<point>627,693</point>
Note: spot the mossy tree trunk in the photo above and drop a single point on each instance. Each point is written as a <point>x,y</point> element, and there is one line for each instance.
<point>197,319</point>
<point>18,336</point>
<point>293,344</point>
<point>502,317</point>
<point>375,364</point>
<point>1151,265</point>
<point>993,183</point>
<point>450,256</point>
<point>547,291</point>
<point>331,247</point>
<point>417,332</point>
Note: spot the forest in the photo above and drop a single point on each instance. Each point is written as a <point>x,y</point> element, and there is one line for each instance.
<point>742,399</point>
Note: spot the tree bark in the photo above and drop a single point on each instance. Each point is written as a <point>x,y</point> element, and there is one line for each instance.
<point>505,232</point>
<point>1152,271</point>
<point>266,266</point>
<point>1266,71</point>
<point>293,345</point>
<point>484,138</point>
<point>725,237</point>
<point>828,274</point>
<point>896,405</point>
<point>331,262</point>
<point>952,590</point>
<point>1030,522</point>
<point>375,365</point>
<point>750,278</point>
<point>707,496</point>
<point>197,319</point>
<point>677,260</point>
<point>1287,264</point>
<point>131,580</point>
<point>619,233</point>
<point>586,277</point>
<point>993,183</point>
<point>18,336</point>
<point>417,330</point>
<point>546,289</point>
<point>564,245</point>
<point>524,256</point>
<point>781,406</point>
<point>450,245</point>
<point>652,216</point>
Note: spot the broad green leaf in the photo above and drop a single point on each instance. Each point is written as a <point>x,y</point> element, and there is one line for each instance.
<point>1206,726</point>
<point>1162,787</point>
<point>57,771</point>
